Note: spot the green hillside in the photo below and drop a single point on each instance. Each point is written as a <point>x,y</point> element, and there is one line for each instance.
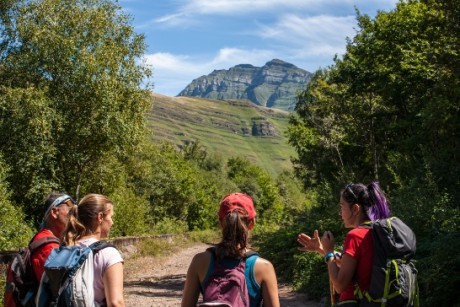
<point>224,128</point>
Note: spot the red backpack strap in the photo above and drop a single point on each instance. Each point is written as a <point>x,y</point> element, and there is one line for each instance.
<point>34,245</point>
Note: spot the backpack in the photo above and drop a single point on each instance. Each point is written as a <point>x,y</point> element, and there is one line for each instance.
<point>21,283</point>
<point>394,276</point>
<point>69,276</point>
<point>226,286</point>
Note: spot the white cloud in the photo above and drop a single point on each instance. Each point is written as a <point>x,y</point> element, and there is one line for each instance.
<point>186,12</point>
<point>315,35</point>
<point>246,6</point>
<point>237,6</point>
<point>228,57</point>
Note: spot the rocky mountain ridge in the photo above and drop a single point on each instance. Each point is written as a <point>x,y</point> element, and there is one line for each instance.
<point>273,85</point>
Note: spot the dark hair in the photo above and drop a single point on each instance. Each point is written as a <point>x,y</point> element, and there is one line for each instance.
<point>370,197</point>
<point>83,218</point>
<point>50,199</point>
<point>235,234</point>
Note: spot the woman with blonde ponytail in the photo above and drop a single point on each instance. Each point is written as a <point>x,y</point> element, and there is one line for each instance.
<point>90,222</point>
<point>237,218</point>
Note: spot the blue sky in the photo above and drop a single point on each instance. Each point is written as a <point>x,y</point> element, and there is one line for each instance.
<point>190,38</point>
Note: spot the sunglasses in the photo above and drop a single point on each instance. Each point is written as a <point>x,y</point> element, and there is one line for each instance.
<point>62,200</point>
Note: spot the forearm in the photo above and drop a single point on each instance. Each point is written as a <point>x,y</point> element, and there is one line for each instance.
<point>342,276</point>
<point>333,272</point>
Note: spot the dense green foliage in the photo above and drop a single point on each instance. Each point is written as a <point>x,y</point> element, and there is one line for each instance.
<point>389,110</point>
<point>14,231</point>
<point>73,119</point>
<point>70,95</point>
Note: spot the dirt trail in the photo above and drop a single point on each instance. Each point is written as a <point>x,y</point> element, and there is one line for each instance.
<point>159,281</point>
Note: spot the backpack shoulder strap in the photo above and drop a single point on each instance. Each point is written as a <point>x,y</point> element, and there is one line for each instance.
<point>212,250</point>
<point>366,224</point>
<point>34,245</point>
<point>100,245</point>
<point>250,254</point>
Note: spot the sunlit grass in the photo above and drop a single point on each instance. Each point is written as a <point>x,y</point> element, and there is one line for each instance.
<point>218,126</point>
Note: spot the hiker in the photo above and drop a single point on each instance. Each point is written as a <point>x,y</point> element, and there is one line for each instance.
<point>57,207</point>
<point>236,217</point>
<point>90,222</point>
<point>25,271</point>
<point>359,204</point>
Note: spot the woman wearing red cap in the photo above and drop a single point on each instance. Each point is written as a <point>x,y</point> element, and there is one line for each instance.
<point>237,218</point>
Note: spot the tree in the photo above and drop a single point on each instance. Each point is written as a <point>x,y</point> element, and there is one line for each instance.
<point>389,110</point>
<point>254,181</point>
<point>81,61</point>
<point>384,110</point>
<point>14,232</point>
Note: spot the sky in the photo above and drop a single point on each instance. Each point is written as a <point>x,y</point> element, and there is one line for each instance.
<point>187,39</point>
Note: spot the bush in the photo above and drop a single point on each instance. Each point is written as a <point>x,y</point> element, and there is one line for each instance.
<point>14,231</point>
<point>130,213</point>
<point>169,226</point>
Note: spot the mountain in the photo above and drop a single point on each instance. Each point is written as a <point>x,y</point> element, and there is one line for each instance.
<point>273,85</point>
<point>227,128</point>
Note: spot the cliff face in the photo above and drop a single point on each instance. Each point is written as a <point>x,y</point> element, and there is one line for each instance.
<point>274,85</point>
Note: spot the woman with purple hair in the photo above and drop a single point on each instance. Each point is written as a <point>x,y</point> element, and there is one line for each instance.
<point>359,205</point>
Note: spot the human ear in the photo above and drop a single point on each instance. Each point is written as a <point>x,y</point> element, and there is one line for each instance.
<point>100,217</point>
<point>54,212</point>
<point>356,208</point>
<point>251,224</point>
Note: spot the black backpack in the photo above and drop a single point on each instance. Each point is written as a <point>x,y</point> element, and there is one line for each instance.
<point>21,283</point>
<point>394,276</point>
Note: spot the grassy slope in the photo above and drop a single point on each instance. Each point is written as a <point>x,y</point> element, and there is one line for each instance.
<point>218,126</point>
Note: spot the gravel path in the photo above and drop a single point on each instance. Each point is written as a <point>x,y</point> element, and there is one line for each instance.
<point>158,281</point>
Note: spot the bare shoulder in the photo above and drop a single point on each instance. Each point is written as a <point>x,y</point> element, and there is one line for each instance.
<point>262,262</point>
<point>200,264</point>
<point>262,267</point>
<point>264,271</point>
<point>202,256</point>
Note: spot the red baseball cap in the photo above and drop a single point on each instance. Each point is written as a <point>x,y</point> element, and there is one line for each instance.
<point>237,201</point>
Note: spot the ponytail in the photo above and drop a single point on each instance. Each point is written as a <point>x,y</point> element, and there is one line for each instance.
<point>74,229</point>
<point>235,232</point>
<point>379,208</point>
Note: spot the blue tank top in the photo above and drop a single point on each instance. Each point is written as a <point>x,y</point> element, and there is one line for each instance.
<point>255,295</point>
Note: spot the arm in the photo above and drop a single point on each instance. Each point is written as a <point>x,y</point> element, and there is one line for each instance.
<point>265,275</point>
<point>341,277</point>
<point>113,285</point>
<point>191,291</point>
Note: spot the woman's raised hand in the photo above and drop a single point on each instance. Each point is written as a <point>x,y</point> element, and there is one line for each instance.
<point>310,244</point>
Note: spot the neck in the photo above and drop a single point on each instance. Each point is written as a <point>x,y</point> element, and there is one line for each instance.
<point>95,235</point>
<point>56,230</point>
<point>360,220</point>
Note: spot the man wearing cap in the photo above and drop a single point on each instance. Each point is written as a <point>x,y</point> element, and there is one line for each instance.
<point>57,207</point>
